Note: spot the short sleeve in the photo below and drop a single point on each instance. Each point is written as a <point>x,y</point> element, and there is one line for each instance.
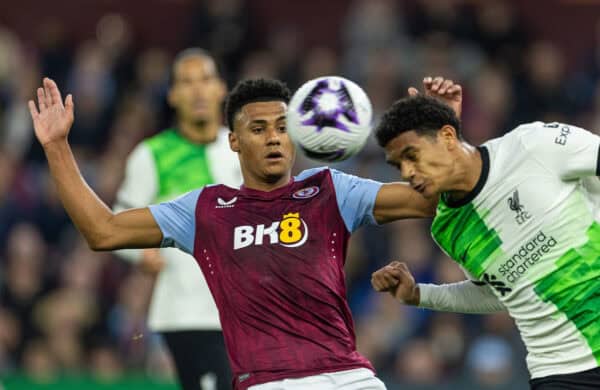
<point>355,199</point>
<point>569,151</point>
<point>177,221</point>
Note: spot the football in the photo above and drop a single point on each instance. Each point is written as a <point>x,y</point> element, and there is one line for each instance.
<point>329,118</point>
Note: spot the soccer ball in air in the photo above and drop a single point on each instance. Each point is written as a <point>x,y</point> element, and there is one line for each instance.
<point>329,118</point>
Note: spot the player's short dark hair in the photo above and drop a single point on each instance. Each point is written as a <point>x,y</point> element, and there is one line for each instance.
<point>254,90</point>
<point>423,114</point>
<point>188,53</point>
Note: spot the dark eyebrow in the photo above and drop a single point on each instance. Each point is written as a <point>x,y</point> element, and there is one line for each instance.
<point>407,150</point>
<point>258,122</point>
<point>264,122</point>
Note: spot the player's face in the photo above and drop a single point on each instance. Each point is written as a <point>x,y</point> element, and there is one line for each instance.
<point>261,139</point>
<point>197,91</point>
<point>424,161</point>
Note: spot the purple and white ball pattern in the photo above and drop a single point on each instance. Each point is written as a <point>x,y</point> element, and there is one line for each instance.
<point>326,105</point>
<point>329,118</point>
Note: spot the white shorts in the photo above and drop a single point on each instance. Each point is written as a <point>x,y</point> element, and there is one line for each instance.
<point>357,379</point>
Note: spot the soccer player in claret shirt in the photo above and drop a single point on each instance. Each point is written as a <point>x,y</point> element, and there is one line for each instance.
<point>520,215</point>
<point>272,251</point>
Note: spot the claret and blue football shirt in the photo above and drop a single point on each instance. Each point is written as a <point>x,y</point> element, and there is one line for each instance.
<point>274,262</point>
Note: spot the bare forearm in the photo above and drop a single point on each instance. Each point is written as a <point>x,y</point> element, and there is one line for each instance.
<point>103,230</point>
<point>399,201</point>
<point>89,214</point>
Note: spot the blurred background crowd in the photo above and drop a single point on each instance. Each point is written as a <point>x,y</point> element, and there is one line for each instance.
<point>67,312</point>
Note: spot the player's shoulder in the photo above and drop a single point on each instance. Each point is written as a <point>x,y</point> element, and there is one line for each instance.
<point>217,196</point>
<point>533,129</point>
<point>187,200</point>
<point>341,181</point>
<point>311,172</point>
<point>219,188</point>
<point>537,136</point>
<point>325,171</point>
<point>526,133</point>
<point>217,191</point>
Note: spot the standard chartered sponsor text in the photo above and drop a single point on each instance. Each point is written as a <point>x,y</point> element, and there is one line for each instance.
<point>527,255</point>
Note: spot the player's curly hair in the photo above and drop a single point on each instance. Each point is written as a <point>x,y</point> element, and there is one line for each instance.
<point>423,114</point>
<point>254,90</point>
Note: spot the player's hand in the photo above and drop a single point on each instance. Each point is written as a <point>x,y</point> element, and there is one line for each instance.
<point>151,262</point>
<point>443,89</point>
<point>53,120</point>
<point>396,279</point>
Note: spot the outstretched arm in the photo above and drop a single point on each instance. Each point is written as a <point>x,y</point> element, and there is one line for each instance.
<point>102,229</point>
<point>398,200</point>
<point>461,297</point>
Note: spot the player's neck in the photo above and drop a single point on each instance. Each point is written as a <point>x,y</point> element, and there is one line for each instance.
<point>466,172</point>
<point>199,133</point>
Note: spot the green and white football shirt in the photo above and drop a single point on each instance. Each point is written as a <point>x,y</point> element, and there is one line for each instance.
<point>530,231</point>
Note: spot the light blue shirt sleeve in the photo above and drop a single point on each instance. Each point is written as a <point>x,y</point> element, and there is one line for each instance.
<point>355,198</point>
<point>309,172</point>
<point>177,221</point>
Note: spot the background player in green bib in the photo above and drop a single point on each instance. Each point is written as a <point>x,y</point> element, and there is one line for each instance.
<point>192,154</point>
<point>519,215</point>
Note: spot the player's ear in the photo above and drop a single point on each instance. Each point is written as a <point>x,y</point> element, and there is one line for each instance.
<point>447,134</point>
<point>234,143</point>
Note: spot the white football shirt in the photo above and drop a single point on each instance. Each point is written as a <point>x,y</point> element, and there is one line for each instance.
<point>530,231</point>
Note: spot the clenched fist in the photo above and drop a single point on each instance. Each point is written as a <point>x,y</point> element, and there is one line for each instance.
<point>397,279</point>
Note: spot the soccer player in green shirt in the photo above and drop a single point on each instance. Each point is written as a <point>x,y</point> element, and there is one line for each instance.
<point>519,216</point>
